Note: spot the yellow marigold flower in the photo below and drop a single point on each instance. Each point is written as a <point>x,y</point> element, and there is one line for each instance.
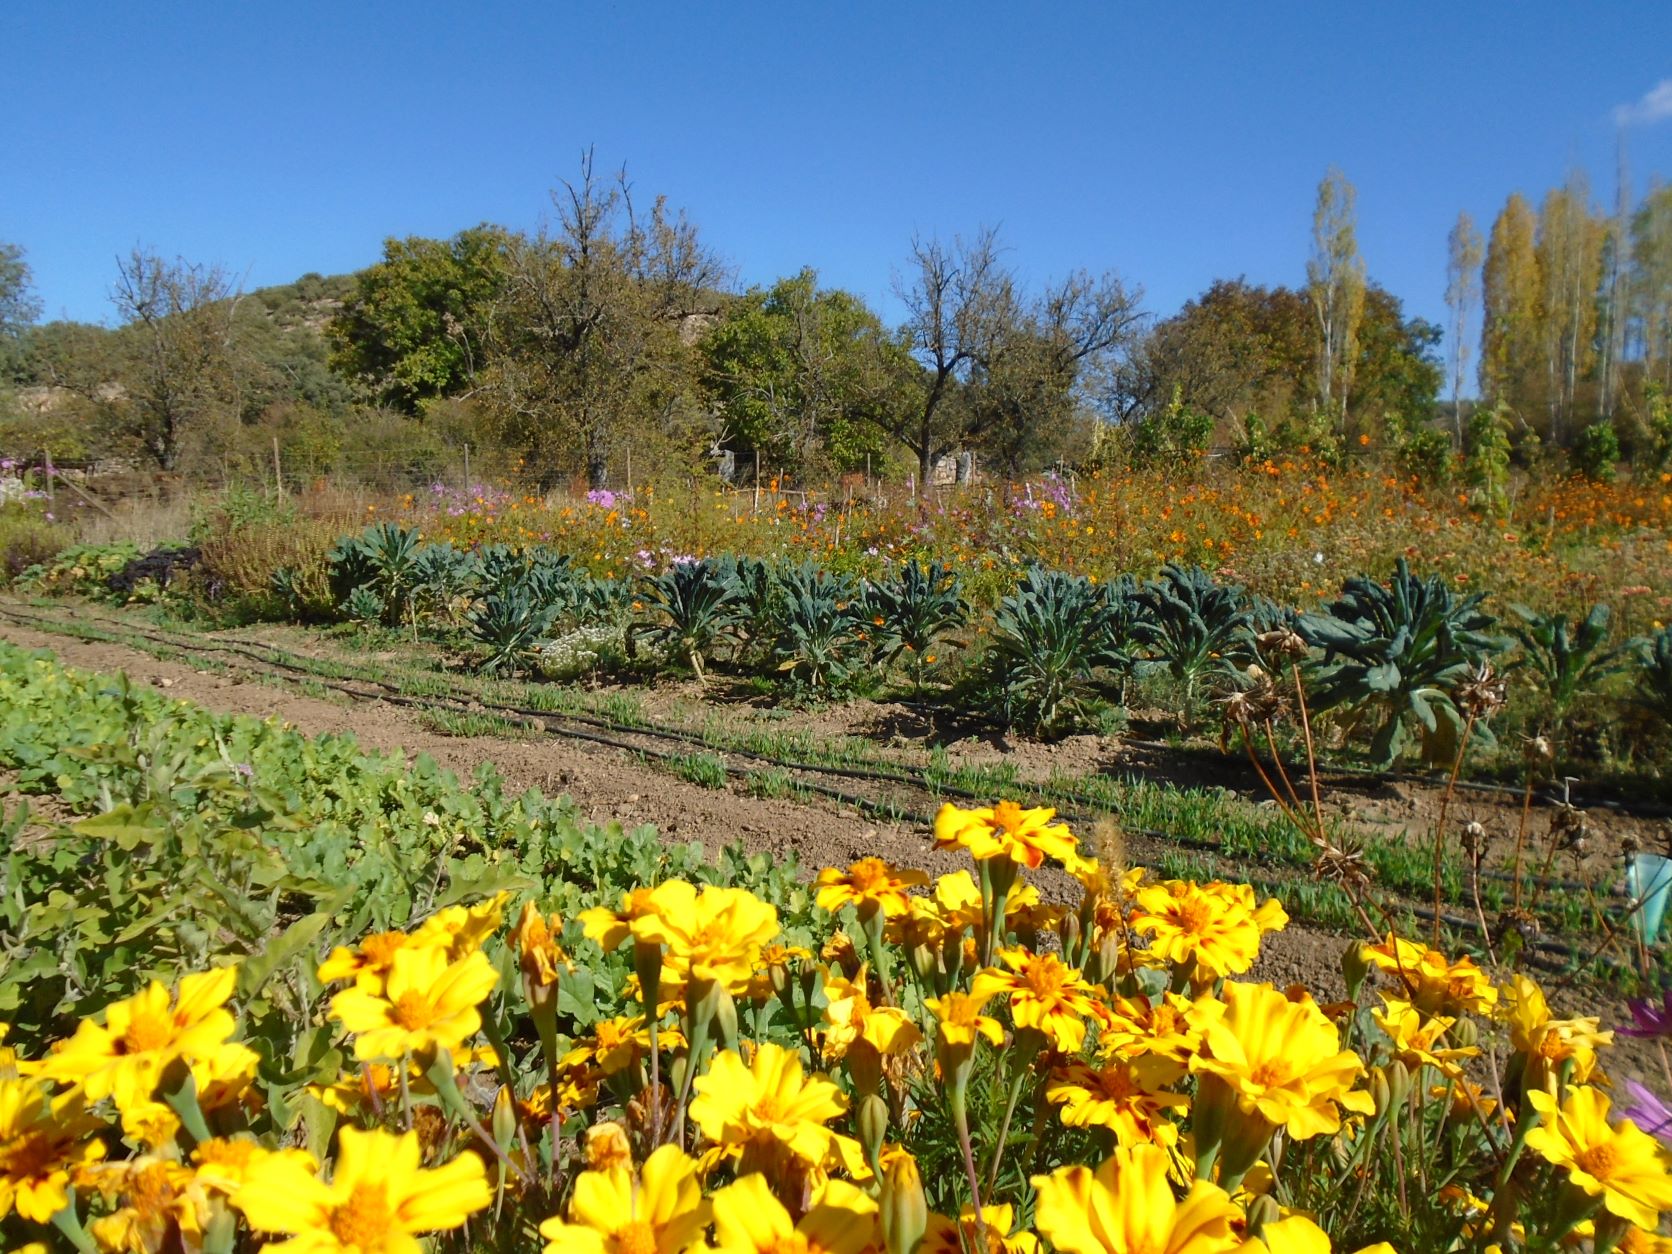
<point>953,906</point>
<point>379,1197</point>
<point>616,1044</point>
<point>1294,1234</point>
<point>538,954</point>
<point>1433,983</point>
<point>428,1003</point>
<point>161,1200</point>
<point>850,1017</point>
<point>610,927</point>
<point>1622,1165</point>
<point>1045,993</point>
<point>1127,1207</point>
<point>368,963</point>
<point>869,884</point>
<point>1416,1038</point>
<point>945,1236</point>
<point>1170,1027</point>
<point>1281,1061</point>
<point>125,1056</point>
<point>607,1147</point>
<point>749,1220</point>
<point>1006,830</point>
<point>1546,1043</point>
<point>224,1163</point>
<point>662,1211</point>
<point>355,1090</point>
<point>715,934</point>
<point>462,929</point>
<point>1213,929</point>
<point>766,1104</point>
<point>43,1139</point>
<point>1641,1241</point>
<point>959,1019</point>
<point>1129,1097</point>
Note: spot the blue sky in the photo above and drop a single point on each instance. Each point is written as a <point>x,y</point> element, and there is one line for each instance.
<point>1174,143</point>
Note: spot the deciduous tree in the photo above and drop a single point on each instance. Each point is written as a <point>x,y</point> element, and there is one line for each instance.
<point>590,334</point>
<point>414,327</point>
<point>1509,337</point>
<point>1335,283</point>
<point>1465,252</point>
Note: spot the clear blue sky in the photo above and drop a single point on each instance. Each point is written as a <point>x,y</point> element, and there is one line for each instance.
<point>1174,143</point>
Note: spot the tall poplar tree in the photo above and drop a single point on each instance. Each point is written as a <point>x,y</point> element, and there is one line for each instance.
<point>1465,250</point>
<point>1569,253</point>
<point>1651,284</point>
<point>1510,304</point>
<point>1335,285</point>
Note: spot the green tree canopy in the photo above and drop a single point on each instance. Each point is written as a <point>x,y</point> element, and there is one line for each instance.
<point>415,325</point>
<point>804,374</point>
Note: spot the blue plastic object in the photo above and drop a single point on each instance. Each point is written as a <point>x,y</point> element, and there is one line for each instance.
<point>1648,881</point>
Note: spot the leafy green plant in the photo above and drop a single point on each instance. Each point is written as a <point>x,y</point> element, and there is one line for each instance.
<point>694,607</point>
<point>509,624</point>
<point>819,637</point>
<point>1050,636</point>
<point>1596,453</point>
<point>363,605</point>
<point>912,610</point>
<point>1393,653</point>
<point>1192,625</point>
<point>1654,676</point>
<point>1569,659</point>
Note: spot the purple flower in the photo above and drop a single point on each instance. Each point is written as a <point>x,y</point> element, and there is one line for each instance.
<point>601,497</point>
<point>1652,1020</point>
<point>1648,1112</point>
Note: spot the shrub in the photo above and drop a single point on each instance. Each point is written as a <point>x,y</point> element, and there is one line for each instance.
<point>1596,453</point>
<point>27,538</point>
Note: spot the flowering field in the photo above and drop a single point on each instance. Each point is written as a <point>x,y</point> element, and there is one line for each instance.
<point>1291,530</point>
<point>272,992</point>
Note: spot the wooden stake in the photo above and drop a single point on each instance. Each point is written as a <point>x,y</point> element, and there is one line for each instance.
<point>278,472</point>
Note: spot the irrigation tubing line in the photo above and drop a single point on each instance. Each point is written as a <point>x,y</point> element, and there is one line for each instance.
<point>545,718</point>
<point>1636,809</point>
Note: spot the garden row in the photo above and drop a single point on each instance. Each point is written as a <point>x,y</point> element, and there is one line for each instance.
<point>278,987</point>
<point>1383,661</point>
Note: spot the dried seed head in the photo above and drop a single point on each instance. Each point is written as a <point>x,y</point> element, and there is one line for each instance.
<point>1520,922</point>
<point>1540,750</point>
<point>1281,644</point>
<point>1483,693</point>
<point>1474,836</point>
<point>1630,844</point>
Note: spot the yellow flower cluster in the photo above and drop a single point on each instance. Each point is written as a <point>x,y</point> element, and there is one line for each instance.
<point>974,1061</point>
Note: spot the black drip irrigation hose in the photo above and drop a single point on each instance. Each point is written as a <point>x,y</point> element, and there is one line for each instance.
<point>391,694</point>
<point>1617,805</point>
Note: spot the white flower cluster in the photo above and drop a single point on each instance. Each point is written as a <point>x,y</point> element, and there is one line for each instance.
<point>576,652</point>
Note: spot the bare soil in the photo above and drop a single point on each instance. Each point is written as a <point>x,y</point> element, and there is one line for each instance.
<point>610,785</point>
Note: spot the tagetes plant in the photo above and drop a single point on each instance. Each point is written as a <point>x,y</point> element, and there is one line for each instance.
<point>976,1062</point>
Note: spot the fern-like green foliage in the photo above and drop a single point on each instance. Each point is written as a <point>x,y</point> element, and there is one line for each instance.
<point>1393,654</point>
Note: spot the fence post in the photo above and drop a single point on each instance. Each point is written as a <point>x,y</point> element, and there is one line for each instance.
<point>278,472</point>
<point>467,467</point>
